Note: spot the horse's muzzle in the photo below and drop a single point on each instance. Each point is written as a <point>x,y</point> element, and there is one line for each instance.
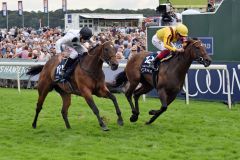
<point>206,62</point>
<point>114,66</point>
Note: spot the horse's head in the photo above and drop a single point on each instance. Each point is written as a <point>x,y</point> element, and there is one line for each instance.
<point>108,54</point>
<point>198,52</point>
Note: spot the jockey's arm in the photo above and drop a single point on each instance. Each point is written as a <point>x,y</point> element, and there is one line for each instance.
<point>64,40</point>
<point>167,45</point>
<point>167,42</point>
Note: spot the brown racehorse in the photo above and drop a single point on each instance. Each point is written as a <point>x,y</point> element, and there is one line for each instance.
<point>170,77</point>
<point>87,79</point>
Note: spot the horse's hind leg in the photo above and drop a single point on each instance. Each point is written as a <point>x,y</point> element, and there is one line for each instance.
<point>145,88</point>
<point>66,98</point>
<point>128,95</point>
<point>43,90</point>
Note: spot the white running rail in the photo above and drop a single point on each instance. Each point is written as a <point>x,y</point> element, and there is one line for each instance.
<point>193,66</point>
<point>213,67</point>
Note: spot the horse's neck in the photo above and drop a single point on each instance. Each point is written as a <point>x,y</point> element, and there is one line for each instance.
<point>92,62</point>
<point>180,65</point>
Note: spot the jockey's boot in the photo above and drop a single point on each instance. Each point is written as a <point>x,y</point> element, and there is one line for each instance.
<point>66,71</point>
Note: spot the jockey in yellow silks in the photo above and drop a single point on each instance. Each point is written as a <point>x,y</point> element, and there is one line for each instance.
<point>163,39</point>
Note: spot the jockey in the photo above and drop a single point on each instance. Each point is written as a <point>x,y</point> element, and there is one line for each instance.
<point>73,41</point>
<point>163,39</point>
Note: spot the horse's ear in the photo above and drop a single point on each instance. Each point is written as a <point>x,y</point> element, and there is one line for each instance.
<point>189,40</point>
<point>102,39</point>
<point>195,38</point>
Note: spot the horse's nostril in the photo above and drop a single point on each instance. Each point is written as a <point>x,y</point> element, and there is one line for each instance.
<point>114,66</point>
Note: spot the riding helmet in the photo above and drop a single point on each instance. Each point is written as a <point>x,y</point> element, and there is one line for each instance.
<point>182,30</point>
<point>86,33</point>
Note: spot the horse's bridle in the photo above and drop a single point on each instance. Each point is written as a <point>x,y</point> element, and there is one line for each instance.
<point>197,52</point>
<point>104,57</point>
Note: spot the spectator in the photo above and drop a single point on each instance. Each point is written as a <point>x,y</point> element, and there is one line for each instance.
<point>127,50</point>
<point>24,53</point>
<point>119,54</point>
<point>44,55</point>
<point>133,51</point>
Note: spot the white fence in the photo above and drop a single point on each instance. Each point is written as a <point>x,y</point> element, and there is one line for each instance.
<point>193,66</point>
<point>215,67</point>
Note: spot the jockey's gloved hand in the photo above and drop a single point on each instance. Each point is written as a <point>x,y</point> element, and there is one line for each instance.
<point>179,50</point>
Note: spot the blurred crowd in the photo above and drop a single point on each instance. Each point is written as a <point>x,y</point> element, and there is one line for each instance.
<point>29,43</point>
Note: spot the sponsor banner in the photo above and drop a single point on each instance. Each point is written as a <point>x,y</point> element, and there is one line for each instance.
<point>45,6</point>
<point>208,43</point>
<point>10,72</point>
<point>4,9</point>
<point>211,84</point>
<point>69,18</point>
<point>20,8</point>
<point>64,5</point>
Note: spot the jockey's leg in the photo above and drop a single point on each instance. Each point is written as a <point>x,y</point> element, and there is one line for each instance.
<point>160,46</point>
<point>69,62</point>
<point>159,57</point>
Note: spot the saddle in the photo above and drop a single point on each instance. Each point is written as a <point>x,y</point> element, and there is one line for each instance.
<point>58,72</point>
<point>146,67</point>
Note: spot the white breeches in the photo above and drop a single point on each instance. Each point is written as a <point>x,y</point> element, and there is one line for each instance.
<point>73,53</point>
<point>158,43</point>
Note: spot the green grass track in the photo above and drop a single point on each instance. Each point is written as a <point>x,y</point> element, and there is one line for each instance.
<point>199,131</point>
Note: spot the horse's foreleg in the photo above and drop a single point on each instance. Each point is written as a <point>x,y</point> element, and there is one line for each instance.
<point>114,100</point>
<point>137,93</point>
<point>42,93</point>
<point>66,98</point>
<point>89,99</point>
<point>156,113</point>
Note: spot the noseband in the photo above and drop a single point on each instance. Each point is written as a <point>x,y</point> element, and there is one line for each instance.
<point>105,57</point>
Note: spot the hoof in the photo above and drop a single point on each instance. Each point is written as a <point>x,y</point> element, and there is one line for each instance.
<point>68,127</point>
<point>34,126</point>
<point>147,123</point>
<point>105,128</point>
<point>120,122</point>
<point>134,118</point>
<point>152,112</point>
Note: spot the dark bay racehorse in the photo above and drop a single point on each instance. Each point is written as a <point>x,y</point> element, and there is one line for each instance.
<point>87,79</point>
<point>170,77</point>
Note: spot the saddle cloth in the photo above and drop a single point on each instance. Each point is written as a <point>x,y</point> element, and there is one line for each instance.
<point>146,67</point>
<point>58,72</point>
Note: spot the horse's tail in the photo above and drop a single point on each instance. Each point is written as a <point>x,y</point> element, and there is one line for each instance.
<point>34,70</point>
<point>120,80</point>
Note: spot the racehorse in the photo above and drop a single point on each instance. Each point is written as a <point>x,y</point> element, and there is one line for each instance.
<point>87,79</point>
<point>169,79</point>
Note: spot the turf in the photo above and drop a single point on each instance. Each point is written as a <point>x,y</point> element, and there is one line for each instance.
<point>199,131</point>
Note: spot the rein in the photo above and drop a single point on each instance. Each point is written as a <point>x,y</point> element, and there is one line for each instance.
<point>93,73</point>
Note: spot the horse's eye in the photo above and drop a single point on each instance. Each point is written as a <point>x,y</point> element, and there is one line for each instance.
<point>106,49</point>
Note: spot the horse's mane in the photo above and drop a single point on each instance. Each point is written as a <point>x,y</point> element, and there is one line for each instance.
<point>190,40</point>
<point>93,47</point>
